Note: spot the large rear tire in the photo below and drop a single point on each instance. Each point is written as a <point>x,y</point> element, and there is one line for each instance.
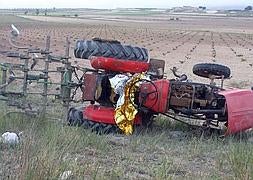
<point>113,49</point>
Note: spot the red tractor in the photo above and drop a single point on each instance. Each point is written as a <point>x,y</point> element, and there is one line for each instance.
<point>127,88</point>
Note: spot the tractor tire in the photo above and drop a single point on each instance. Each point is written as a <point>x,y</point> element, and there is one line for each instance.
<point>208,69</point>
<point>100,128</point>
<point>84,49</point>
<point>75,118</point>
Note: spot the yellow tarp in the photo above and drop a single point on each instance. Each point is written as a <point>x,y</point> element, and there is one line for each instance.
<point>125,114</point>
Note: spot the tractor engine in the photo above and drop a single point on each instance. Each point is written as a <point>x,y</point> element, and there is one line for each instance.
<point>197,99</point>
<point>183,97</point>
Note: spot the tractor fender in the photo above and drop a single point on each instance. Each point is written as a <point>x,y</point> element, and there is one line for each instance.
<point>102,114</point>
<point>154,95</point>
<point>239,104</point>
<point>118,65</point>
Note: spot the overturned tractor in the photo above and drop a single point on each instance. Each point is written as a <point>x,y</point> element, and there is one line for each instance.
<point>126,88</point>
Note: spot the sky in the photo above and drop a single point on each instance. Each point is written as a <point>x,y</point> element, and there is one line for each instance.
<point>111,4</point>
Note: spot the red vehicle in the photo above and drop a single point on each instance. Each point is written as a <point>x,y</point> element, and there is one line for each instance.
<point>210,104</point>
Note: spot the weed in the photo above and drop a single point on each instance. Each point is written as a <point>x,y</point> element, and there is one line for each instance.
<point>240,159</point>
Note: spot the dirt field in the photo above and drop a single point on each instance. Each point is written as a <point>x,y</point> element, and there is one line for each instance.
<point>160,154</point>
<point>181,43</point>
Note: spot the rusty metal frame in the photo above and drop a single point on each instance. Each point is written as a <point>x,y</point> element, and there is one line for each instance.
<point>19,100</point>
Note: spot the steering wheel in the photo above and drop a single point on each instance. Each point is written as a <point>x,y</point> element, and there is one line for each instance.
<point>144,95</point>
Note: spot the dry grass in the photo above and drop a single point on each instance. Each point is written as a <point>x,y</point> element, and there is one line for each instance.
<point>48,149</point>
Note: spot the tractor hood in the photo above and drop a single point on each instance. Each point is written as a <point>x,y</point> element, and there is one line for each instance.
<point>239,108</point>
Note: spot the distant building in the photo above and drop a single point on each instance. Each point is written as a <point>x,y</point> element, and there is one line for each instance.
<point>188,9</point>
